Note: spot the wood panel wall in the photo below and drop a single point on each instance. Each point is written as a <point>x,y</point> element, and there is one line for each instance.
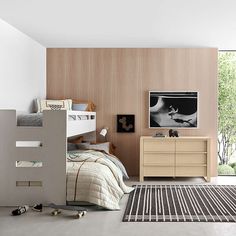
<point>118,81</point>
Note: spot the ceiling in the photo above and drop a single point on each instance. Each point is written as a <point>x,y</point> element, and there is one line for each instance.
<point>125,23</point>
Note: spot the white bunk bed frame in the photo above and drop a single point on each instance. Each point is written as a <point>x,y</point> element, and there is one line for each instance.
<point>30,185</point>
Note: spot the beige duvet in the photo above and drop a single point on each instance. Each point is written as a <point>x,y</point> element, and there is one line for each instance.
<point>93,178</point>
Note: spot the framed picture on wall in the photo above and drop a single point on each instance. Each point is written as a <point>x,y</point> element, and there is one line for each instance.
<point>173,109</point>
<point>125,123</point>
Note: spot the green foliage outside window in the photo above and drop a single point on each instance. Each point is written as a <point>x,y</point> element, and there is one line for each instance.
<point>226,106</point>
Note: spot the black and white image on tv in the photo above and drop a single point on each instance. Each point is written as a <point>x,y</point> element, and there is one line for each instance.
<point>173,109</point>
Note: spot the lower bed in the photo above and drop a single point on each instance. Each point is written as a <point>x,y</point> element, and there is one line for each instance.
<point>94,177</point>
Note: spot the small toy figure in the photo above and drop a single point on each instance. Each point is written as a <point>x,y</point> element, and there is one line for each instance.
<point>173,133</point>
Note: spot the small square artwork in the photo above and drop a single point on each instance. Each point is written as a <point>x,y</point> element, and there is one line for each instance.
<point>125,124</point>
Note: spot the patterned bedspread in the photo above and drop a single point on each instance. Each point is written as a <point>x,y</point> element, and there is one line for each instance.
<point>93,178</point>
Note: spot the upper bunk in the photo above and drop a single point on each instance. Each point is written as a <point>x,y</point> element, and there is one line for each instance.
<point>78,118</point>
<point>74,122</point>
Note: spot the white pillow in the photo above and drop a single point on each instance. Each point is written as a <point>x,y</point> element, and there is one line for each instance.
<point>43,104</point>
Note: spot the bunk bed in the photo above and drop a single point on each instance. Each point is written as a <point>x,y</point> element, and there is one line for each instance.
<point>45,145</point>
<point>36,166</point>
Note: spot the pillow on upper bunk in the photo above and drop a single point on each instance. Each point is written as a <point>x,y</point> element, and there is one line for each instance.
<point>79,107</point>
<point>43,104</point>
<point>83,105</point>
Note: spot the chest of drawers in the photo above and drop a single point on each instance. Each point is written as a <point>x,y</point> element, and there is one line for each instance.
<point>183,156</point>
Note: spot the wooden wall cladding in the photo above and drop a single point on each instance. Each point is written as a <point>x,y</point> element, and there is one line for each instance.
<point>118,81</point>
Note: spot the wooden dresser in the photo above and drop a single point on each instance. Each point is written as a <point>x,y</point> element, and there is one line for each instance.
<point>182,156</point>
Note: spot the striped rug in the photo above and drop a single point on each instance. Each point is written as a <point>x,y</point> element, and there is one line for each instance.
<point>181,203</point>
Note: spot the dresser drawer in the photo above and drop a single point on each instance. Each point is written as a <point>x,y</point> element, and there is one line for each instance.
<point>191,171</point>
<point>158,171</point>
<point>159,158</point>
<point>191,146</point>
<point>191,158</point>
<point>159,146</point>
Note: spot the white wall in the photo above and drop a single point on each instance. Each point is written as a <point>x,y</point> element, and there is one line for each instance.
<point>22,69</point>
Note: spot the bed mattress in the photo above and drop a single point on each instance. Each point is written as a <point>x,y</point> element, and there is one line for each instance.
<point>36,119</point>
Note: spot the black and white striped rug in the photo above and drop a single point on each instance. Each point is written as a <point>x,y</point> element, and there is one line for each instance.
<point>181,203</point>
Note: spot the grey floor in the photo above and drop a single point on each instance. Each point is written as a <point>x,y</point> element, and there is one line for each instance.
<point>105,223</point>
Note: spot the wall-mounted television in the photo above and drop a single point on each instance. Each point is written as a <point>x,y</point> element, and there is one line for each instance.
<point>173,109</point>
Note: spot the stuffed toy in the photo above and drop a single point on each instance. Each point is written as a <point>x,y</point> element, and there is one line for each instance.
<point>173,133</point>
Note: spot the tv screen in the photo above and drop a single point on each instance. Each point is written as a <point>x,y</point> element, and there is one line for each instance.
<point>173,109</point>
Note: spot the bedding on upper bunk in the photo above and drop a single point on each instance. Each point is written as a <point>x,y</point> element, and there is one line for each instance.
<point>33,119</point>
<point>93,178</point>
<point>36,119</point>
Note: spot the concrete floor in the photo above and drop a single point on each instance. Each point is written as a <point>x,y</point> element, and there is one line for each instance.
<point>104,223</point>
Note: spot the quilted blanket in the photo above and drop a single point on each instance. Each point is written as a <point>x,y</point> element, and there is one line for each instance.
<point>93,178</point>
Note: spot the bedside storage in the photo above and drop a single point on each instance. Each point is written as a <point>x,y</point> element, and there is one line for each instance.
<point>183,156</point>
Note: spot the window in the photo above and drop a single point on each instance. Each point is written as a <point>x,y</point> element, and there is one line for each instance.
<point>227,113</point>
